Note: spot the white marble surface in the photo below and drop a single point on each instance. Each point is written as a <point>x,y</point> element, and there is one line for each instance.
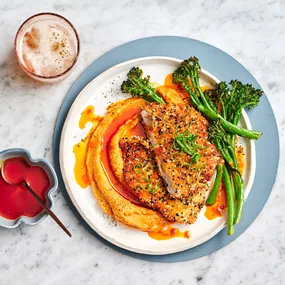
<point>251,31</point>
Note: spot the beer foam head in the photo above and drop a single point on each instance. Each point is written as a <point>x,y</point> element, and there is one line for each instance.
<point>47,47</point>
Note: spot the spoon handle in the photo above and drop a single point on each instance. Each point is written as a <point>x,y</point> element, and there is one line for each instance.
<point>49,211</point>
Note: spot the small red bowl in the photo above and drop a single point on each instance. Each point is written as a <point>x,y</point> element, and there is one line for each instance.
<point>45,165</point>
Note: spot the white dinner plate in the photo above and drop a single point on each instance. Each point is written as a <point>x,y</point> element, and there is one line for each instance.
<point>100,92</point>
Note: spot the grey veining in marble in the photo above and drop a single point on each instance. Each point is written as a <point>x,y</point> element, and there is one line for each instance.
<point>251,31</point>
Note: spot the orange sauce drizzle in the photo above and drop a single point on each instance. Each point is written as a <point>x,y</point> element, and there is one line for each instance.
<point>168,233</point>
<point>218,209</point>
<point>88,116</point>
<point>168,82</point>
<point>80,149</point>
<point>205,88</point>
<point>105,154</point>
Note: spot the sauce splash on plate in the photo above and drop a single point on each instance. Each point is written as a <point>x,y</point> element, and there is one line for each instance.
<point>80,149</point>
<point>15,200</point>
<point>217,210</point>
<point>168,233</point>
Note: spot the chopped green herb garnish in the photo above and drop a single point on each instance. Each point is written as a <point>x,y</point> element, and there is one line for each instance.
<point>147,179</point>
<point>137,168</point>
<point>186,142</point>
<point>150,188</point>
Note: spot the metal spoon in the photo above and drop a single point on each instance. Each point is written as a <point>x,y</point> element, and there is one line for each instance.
<point>39,199</point>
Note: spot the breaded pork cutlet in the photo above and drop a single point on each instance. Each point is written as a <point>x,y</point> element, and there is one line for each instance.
<point>142,176</point>
<point>185,157</point>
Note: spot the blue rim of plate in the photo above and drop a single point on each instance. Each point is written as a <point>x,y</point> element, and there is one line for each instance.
<point>225,68</point>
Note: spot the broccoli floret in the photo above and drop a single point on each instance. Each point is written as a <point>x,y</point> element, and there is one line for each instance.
<point>139,86</point>
<point>244,96</point>
<point>222,98</point>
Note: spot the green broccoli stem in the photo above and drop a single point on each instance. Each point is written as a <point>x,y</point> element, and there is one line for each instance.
<point>215,190</point>
<point>232,128</point>
<point>237,177</point>
<point>235,119</point>
<point>225,153</point>
<point>193,97</point>
<point>232,140</point>
<point>150,91</point>
<point>236,116</point>
<point>231,173</point>
<point>234,158</point>
<point>210,113</point>
<point>157,98</point>
<point>239,131</point>
<point>202,96</point>
<point>230,201</point>
<point>213,115</point>
<point>223,110</point>
<point>238,182</point>
<point>238,187</point>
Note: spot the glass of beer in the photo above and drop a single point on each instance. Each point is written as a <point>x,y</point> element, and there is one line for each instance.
<point>47,47</point>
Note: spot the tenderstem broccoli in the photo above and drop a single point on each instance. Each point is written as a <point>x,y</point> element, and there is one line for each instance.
<point>139,86</point>
<point>187,75</point>
<point>230,101</point>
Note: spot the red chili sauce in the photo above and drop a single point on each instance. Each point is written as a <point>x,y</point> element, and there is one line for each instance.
<point>15,200</point>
